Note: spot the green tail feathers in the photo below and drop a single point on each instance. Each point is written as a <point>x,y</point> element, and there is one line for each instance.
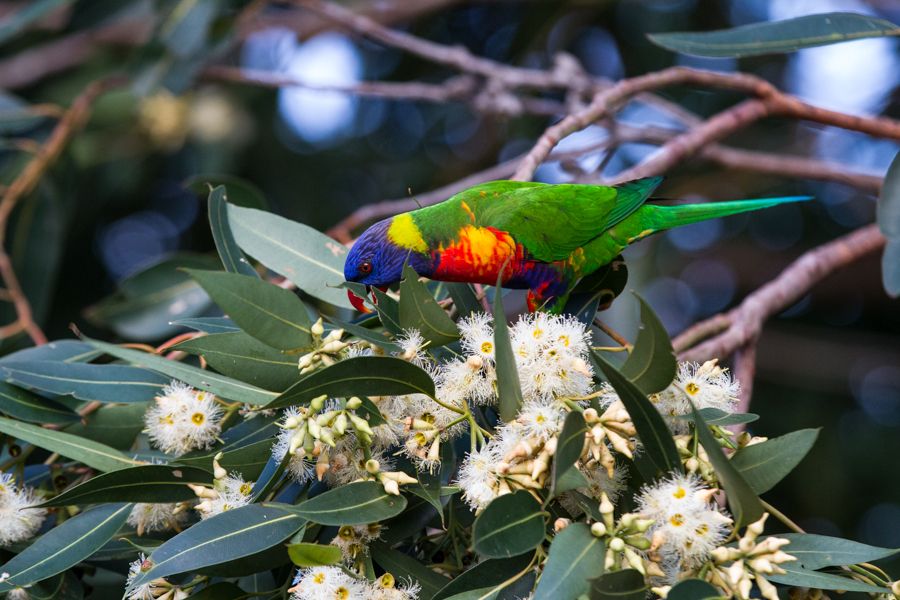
<point>659,217</point>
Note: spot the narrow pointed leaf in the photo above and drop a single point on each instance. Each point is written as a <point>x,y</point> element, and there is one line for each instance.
<point>568,451</point>
<point>693,589</point>
<point>464,298</point>
<point>890,267</point>
<point>240,356</point>
<point>273,315</point>
<point>575,558</point>
<point>359,376</point>
<point>777,37</point>
<point>375,336</point>
<point>487,573</point>
<point>26,406</point>
<point>92,454</point>
<point>146,483</point>
<point>57,350</point>
<point>209,324</point>
<point>715,416</point>
<point>743,501</point>
<point>420,311</point>
<point>764,465</point>
<point>651,365</point>
<point>626,584</point>
<point>64,546</point>
<point>104,383</point>
<point>308,258</point>
<point>229,252</point>
<point>314,555</point>
<point>388,311</point>
<point>228,536</point>
<point>650,426</point>
<point>508,388</point>
<point>888,208</point>
<point>352,504</point>
<point>402,566</point>
<point>510,525</point>
<point>198,378</point>
<point>819,551</point>
<point>797,576</point>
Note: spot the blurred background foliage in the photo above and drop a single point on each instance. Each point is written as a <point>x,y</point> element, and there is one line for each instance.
<point>124,196</point>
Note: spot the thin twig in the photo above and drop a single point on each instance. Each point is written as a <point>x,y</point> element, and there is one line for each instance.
<point>612,333</point>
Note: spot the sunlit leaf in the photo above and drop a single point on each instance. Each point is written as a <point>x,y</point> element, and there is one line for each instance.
<point>420,311</point>
<point>509,391</point>
<point>651,365</point>
<point>314,555</point>
<point>352,504</point>
<point>765,464</point>
<point>510,525</point>
<point>797,576</point>
<point>777,37</point>
<point>576,557</point>
<point>565,476</point>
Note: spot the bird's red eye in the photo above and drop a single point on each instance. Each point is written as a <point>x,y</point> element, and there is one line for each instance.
<point>365,267</point>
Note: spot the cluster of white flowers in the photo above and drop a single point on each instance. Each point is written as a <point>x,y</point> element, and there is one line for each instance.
<point>183,419</point>
<point>687,526</point>
<point>332,583</point>
<point>354,540</point>
<point>157,589</point>
<point>148,517</point>
<point>18,521</point>
<point>705,385</point>
<point>228,491</point>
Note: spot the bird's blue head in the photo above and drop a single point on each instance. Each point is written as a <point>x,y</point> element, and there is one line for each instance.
<point>376,260</point>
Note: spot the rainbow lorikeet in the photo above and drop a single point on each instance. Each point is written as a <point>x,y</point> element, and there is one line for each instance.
<point>545,238</point>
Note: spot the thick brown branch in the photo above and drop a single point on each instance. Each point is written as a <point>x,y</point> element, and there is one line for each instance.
<point>746,320</point>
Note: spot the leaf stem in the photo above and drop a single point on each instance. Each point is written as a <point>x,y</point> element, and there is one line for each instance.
<point>785,520</point>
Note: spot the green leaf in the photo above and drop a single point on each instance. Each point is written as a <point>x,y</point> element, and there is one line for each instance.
<point>25,15</point>
<point>651,428</point>
<point>419,310</point>
<point>26,406</point>
<point>565,476</point>
<point>220,591</point>
<point>402,566</point>
<point>765,464</point>
<point>240,191</point>
<point>198,378</point>
<point>314,555</point>
<point>57,350</point>
<point>818,551</point>
<point>518,587</point>
<point>627,584</point>
<point>273,315</point>
<point>776,37</point>
<point>797,576</point>
<point>364,333</point>
<point>464,298</point>
<point>92,454</point>
<point>228,536</point>
<point>209,324</point>
<point>651,365</point>
<point>146,303</point>
<point>510,525</point>
<point>186,29</point>
<point>147,483</point>
<point>575,558</point>
<point>359,376</point>
<point>693,589</point>
<point>744,503</point>
<point>115,425</point>
<point>240,356</point>
<point>388,311</point>
<point>490,573</point>
<point>356,503</point>
<point>715,416</point>
<point>64,546</point>
<point>890,267</point>
<point>104,383</point>
<point>509,390</point>
<point>232,259</point>
<point>888,208</point>
<point>310,259</point>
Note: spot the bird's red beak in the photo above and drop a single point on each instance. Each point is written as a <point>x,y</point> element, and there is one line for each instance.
<point>359,302</point>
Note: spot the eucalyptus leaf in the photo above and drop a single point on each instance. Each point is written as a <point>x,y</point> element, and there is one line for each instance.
<point>487,573</point>
<point>402,566</point>
<point>651,428</point>
<point>356,503</point>
<point>890,267</point>
<point>146,483</point>
<point>227,536</point>
<point>232,259</point>
<point>651,365</point>
<point>743,501</point>
<point>57,350</point>
<point>240,191</point>
<point>308,258</point>
<point>464,299</point>
<point>26,406</point>
<point>510,525</point>
<point>27,14</point>
<point>64,546</point>
<point>273,315</point>
<point>420,311</point>
<point>777,37</point>
<point>819,551</point>
<point>115,425</point>
<point>314,555</point>
<point>242,357</point>
<point>765,464</point>
<point>92,454</point>
<point>209,324</point>
<point>888,207</point>
<point>568,450</point>
<point>576,557</point>
<point>509,389</point>
<point>693,589</point>
<point>220,591</point>
<point>718,417</point>
<point>359,376</point>
<point>626,584</point>
<point>377,337</point>
<point>198,378</point>
<point>388,311</point>
<point>797,576</point>
<point>103,383</point>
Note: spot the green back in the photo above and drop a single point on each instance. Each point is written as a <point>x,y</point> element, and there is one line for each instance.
<point>550,221</point>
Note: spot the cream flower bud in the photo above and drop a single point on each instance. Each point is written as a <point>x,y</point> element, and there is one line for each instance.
<point>372,466</point>
<point>333,336</point>
<point>318,328</point>
<point>316,404</point>
<point>361,425</point>
<point>598,529</point>
<point>617,544</point>
<point>354,403</point>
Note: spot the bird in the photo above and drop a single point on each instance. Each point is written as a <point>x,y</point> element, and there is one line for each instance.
<point>527,235</point>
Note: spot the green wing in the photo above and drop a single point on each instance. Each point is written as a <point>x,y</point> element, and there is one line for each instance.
<point>552,221</point>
